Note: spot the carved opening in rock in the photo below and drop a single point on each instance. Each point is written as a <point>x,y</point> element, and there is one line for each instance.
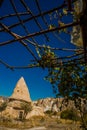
<point>21,115</point>
<point>17,90</point>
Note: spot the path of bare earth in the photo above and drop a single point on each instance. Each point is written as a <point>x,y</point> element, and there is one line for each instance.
<point>35,128</point>
<point>59,127</point>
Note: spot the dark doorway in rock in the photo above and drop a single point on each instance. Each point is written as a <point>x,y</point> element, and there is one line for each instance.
<point>21,115</point>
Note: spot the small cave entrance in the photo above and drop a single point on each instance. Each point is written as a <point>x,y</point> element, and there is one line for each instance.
<point>21,115</point>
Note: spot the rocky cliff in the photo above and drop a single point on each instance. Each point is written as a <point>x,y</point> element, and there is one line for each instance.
<point>53,104</point>
<point>42,105</point>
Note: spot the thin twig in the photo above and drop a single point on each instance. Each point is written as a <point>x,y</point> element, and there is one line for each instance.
<point>13,15</point>
<point>28,10</point>
<point>21,41</point>
<point>18,16</point>
<point>36,16</point>
<point>47,31</point>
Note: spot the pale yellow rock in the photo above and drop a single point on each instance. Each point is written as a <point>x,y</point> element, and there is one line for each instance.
<point>21,91</point>
<point>37,111</point>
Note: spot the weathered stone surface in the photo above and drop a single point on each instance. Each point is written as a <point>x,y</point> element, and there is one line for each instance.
<point>1,100</point>
<point>21,91</point>
<point>53,104</point>
<point>11,113</point>
<point>49,104</point>
<point>37,111</point>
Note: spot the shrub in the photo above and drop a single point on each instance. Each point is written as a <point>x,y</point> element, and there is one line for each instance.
<point>27,107</point>
<point>69,114</point>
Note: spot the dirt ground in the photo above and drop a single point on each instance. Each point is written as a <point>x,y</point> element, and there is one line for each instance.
<point>50,127</point>
<point>41,124</point>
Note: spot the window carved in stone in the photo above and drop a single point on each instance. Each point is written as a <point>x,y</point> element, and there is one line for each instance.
<point>17,90</point>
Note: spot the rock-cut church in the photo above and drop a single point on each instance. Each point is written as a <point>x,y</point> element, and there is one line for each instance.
<point>21,95</point>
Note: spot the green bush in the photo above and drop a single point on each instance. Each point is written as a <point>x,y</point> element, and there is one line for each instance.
<point>69,114</point>
<point>85,118</point>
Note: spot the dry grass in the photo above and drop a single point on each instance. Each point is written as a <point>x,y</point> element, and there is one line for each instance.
<point>49,122</point>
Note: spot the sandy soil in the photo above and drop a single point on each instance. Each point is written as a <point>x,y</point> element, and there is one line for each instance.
<point>35,128</point>
<point>59,127</point>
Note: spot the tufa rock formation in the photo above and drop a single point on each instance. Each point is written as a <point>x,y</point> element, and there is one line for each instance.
<point>54,104</point>
<point>21,91</point>
<point>14,109</point>
<point>36,111</point>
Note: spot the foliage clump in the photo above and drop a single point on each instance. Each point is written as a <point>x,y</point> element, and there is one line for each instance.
<point>69,114</point>
<point>70,82</point>
<point>3,106</point>
<point>48,59</point>
<point>27,107</point>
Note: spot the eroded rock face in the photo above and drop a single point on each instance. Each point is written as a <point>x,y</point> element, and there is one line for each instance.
<point>49,104</point>
<point>21,91</point>
<point>37,111</point>
<point>1,100</point>
<point>53,104</point>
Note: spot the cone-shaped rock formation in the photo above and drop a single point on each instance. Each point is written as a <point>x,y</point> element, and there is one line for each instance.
<point>21,91</point>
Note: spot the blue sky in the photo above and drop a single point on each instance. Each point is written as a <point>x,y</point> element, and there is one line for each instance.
<point>16,54</point>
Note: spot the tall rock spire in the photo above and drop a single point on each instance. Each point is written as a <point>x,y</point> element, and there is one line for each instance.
<point>21,91</point>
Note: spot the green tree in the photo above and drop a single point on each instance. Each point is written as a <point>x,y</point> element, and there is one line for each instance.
<point>69,114</point>
<point>27,107</point>
<point>70,82</point>
<point>3,107</point>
